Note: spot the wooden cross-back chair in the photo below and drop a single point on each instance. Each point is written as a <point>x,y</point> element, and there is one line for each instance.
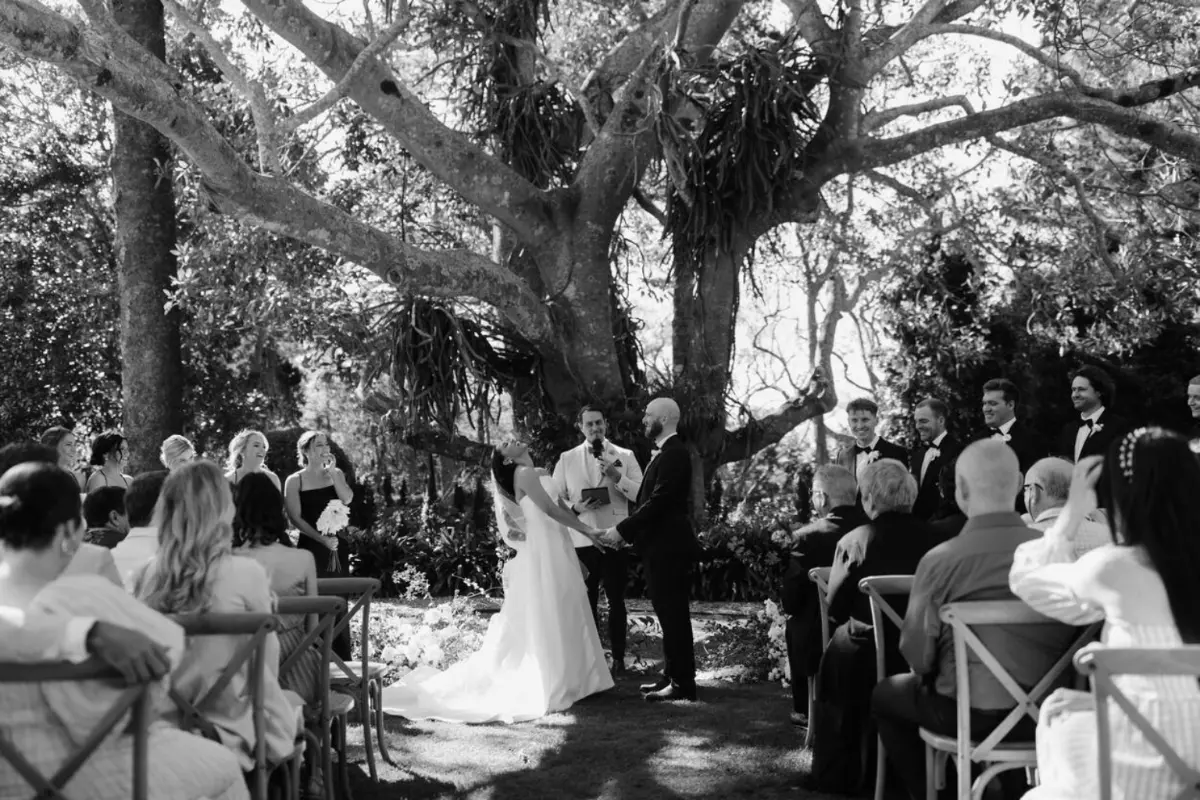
<point>135,699</point>
<point>877,589</point>
<point>362,676</point>
<point>820,578</point>
<point>329,711</point>
<point>992,751</point>
<point>249,655</point>
<point>1101,665</point>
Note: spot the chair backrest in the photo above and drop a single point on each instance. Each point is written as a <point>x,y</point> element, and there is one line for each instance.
<point>360,590</point>
<point>1101,665</point>
<point>319,638</point>
<point>877,588</point>
<point>820,576</point>
<point>964,618</point>
<point>136,698</point>
<point>249,655</point>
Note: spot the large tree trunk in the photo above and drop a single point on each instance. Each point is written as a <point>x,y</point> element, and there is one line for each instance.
<point>144,200</point>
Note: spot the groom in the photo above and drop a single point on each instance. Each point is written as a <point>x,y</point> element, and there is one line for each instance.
<point>660,530</point>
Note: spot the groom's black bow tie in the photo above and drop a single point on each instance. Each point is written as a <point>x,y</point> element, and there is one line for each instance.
<point>1088,423</point>
<point>859,449</point>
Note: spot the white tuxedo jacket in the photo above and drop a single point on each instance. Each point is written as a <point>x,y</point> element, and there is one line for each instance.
<point>577,469</point>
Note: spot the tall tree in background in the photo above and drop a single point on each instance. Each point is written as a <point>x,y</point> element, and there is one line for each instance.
<point>144,202</point>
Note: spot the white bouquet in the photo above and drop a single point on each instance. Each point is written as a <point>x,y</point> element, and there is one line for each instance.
<point>333,520</point>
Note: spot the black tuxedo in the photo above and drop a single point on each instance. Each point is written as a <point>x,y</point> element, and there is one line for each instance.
<point>1112,428</point>
<point>660,530</point>
<point>929,496</point>
<point>848,455</point>
<point>817,543</point>
<point>1023,441</point>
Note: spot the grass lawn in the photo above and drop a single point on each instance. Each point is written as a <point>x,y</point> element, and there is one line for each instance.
<point>735,742</point>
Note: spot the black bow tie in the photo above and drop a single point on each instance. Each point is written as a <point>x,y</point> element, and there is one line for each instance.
<point>1087,423</point>
<point>858,449</point>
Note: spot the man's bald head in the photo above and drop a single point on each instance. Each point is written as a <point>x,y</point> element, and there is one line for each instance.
<point>987,478</point>
<point>1047,485</point>
<point>664,409</point>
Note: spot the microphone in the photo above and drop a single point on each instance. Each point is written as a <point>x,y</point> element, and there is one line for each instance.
<point>597,447</point>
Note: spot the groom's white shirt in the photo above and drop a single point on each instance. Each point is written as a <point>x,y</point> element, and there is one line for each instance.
<point>577,469</point>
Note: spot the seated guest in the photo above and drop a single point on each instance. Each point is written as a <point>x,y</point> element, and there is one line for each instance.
<point>104,511</point>
<point>833,502</point>
<point>863,417</point>
<point>141,543</point>
<point>1144,588</point>
<point>40,529</point>
<point>260,533</point>
<point>937,448</point>
<point>195,571</point>
<point>1046,491</point>
<point>1092,395</point>
<point>972,566</point>
<point>176,451</point>
<point>890,544</point>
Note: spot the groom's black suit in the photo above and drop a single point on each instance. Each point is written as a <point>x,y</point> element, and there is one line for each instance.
<point>660,530</point>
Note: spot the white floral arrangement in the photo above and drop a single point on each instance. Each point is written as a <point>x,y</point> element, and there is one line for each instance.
<point>334,519</point>
<point>446,633</point>
<point>777,636</point>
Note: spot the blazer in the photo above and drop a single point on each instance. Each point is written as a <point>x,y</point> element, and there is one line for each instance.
<point>1112,428</point>
<point>846,456</point>
<point>577,469</point>
<point>1028,447</point>
<point>662,525</point>
<point>929,496</point>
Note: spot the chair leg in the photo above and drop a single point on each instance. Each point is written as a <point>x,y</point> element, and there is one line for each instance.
<point>812,690</point>
<point>962,766</point>
<point>343,762</point>
<point>931,775</point>
<point>364,700</point>
<point>376,687</point>
<point>327,757</point>
<point>880,768</point>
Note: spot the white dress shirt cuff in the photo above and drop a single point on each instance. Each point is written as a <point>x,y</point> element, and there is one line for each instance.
<point>73,646</point>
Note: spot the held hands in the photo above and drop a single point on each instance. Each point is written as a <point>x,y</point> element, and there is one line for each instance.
<point>611,538</point>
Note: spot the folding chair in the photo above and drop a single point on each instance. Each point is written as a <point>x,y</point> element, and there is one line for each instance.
<point>820,577</point>
<point>996,755</point>
<point>1101,665</point>
<point>331,710</point>
<point>249,654</point>
<point>364,677</point>
<point>136,698</point>
<point>876,588</point>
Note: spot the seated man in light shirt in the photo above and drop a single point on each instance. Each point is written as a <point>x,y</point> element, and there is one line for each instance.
<point>141,543</point>
<point>1068,533</point>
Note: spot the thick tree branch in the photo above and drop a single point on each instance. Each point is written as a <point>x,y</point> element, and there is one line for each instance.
<point>109,70</point>
<point>874,120</point>
<point>814,29</point>
<point>916,29</point>
<point>481,179</point>
<point>819,398</point>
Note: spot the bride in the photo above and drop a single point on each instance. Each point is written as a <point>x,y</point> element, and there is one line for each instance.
<point>541,653</point>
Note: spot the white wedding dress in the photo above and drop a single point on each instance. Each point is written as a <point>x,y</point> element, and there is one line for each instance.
<point>541,652</point>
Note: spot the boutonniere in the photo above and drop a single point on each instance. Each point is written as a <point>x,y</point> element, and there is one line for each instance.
<point>1097,427</point>
<point>872,456</point>
<point>654,453</point>
<point>934,452</point>
<point>1002,436</point>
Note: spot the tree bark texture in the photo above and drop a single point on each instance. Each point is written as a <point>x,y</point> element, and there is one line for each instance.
<point>144,201</point>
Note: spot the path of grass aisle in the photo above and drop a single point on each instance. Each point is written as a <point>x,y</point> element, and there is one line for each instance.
<point>736,742</point>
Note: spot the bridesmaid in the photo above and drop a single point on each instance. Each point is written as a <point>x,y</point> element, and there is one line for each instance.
<point>109,453</point>
<point>248,453</point>
<point>63,440</point>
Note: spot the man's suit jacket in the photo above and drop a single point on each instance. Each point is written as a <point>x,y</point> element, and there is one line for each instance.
<point>847,455</point>
<point>1024,443</point>
<point>929,496</point>
<point>661,525</point>
<point>577,469</point>
<point>1112,428</point>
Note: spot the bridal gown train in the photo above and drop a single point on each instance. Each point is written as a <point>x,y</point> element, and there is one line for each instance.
<point>541,652</point>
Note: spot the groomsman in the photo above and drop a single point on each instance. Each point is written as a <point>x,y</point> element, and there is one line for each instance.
<point>600,480</point>
<point>1000,400</point>
<point>869,447</point>
<point>1193,401</point>
<point>1092,394</point>
<point>936,449</point>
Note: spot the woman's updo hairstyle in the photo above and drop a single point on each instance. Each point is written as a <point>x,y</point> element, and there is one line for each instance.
<point>35,499</point>
<point>104,444</point>
<point>504,473</point>
<point>175,451</point>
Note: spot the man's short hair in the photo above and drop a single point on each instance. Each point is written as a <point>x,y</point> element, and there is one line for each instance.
<point>1054,475</point>
<point>1194,381</point>
<point>862,404</point>
<point>100,503</point>
<point>142,496</point>
<point>589,407</point>
<point>838,484</point>
<point>1100,380</point>
<point>1011,393</point>
<point>889,486</point>
<point>938,407</point>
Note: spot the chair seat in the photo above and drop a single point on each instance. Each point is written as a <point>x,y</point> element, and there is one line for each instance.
<point>374,669</point>
<point>1005,751</point>
<point>340,703</point>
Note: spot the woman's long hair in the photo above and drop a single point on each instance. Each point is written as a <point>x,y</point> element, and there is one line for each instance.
<point>259,518</point>
<point>237,449</point>
<point>304,444</point>
<point>1154,478</point>
<point>194,535</point>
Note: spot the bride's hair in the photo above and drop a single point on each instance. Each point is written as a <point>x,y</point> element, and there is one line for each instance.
<point>504,474</point>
